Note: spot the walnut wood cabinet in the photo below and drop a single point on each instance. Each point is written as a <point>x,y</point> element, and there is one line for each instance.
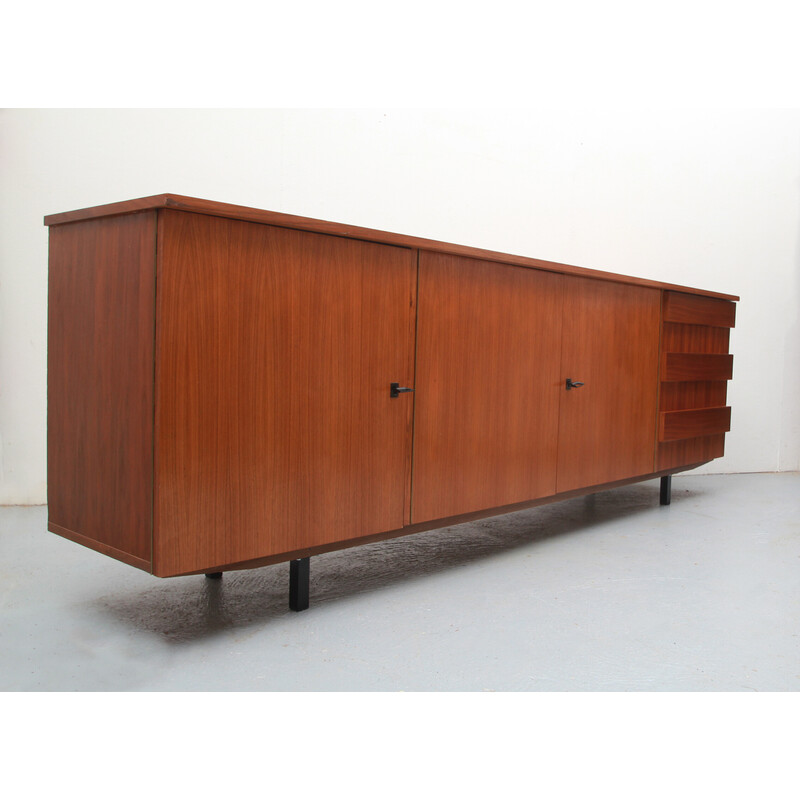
<point>230,387</point>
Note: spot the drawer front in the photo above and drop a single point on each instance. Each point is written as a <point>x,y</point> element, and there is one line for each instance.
<point>693,423</point>
<point>696,367</point>
<point>696,310</point>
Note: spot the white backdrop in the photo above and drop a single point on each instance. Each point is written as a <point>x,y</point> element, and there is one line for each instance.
<point>704,198</point>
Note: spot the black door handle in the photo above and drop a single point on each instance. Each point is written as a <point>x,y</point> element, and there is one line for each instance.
<point>395,390</point>
<point>573,384</point>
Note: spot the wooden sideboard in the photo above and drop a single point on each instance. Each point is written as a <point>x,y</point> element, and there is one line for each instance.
<point>230,387</point>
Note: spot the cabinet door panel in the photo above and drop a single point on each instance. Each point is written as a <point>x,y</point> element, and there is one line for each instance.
<point>487,389</point>
<point>275,429</point>
<point>607,427</point>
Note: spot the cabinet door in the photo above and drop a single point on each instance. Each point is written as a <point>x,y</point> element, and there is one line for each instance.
<point>275,429</point>
<point>607,426</point>
<point>487,390</point>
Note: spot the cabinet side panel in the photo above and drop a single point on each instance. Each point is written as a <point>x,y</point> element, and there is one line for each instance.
<point>101,310</point>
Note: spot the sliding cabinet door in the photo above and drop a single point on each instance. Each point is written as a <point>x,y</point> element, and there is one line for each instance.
<point>607,425</point>
<point>487,388</point>
<point>275,428</point>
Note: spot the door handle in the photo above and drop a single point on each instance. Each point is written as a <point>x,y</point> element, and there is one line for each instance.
<point>395,390</point>
<point>573,384</point>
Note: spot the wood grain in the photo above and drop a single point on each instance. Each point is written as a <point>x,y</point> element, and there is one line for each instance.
<point>682,338</point>
<point>693,423</point>
<point>610,343</point>
<point>243,415</point>
<point>274,423</point>
<point>676,455</point>
<point>694,394</point>
<point>691,341</point>
<point>697,310</point>
<point>229,211</point>
<point>696,367</point>
<point>486,409</point>
<point>101,547</point>
<point>450,521</point>
<point>100,384</point>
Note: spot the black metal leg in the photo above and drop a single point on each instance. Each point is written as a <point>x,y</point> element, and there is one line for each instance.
<point>666,490</point>
<point>214,575</point>
<point>299,573</point>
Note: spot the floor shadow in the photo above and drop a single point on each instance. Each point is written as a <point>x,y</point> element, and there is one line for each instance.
<point>183,610</point>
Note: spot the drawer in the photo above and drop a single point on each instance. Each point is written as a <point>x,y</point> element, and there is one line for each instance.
<point>696,367</point>
<point>694,309</point>
<point>674,425</point>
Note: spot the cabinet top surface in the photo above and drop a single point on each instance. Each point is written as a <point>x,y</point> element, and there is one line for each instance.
<point>212,208</point>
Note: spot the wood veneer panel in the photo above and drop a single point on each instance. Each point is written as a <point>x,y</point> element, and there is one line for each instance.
<point>611,344</point>
<point>100,383</point>
<point>487,392</point>
<point>679,454</point>
<point>227,210</point>
<point>694,340</point>
<point>696,367</point>
<point>275,428</point>
<point>124,207</point>
<point>694,394</point>
<point>692,423</point>
<point>680,338</point>
<point>449,521</point>
<point>696,310</point>
<point>101,547</point>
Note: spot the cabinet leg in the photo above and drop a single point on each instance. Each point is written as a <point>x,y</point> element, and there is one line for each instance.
<point>666,490</point>
<point>214,575</point>
<point>299,573</point>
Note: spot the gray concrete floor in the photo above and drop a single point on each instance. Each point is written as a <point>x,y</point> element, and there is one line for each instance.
<point>610,592</point>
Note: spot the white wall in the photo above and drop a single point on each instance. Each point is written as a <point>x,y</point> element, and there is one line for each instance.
<point>704,198</point>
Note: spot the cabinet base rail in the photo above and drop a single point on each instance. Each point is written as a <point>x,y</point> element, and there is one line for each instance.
<point>299,559</point>
<point>300,568</point>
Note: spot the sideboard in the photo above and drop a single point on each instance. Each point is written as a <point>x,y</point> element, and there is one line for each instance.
<point>230,387</point>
